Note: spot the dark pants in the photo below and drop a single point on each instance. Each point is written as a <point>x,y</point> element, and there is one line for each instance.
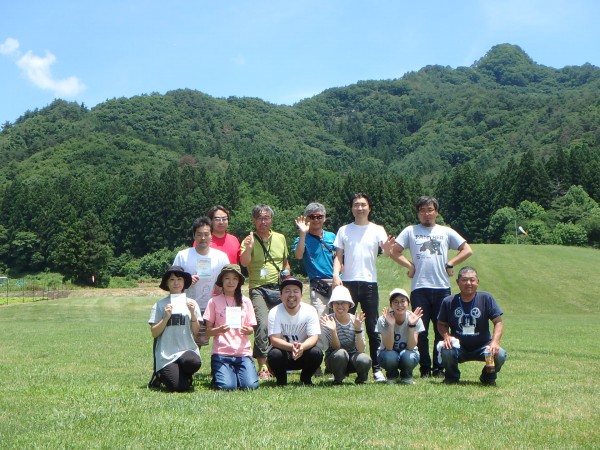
<point>367,296</point>
<point>281,361</point>
<point>177,376</point>
<point>430,301</point>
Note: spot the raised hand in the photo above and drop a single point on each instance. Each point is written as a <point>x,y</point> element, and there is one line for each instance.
<point>249,240</point>
<point>328,322</point>
<point>359,320</point>
<point>386,246</point>
<point>302,224</point>
<point>388,314</point>
<point>414,316</point>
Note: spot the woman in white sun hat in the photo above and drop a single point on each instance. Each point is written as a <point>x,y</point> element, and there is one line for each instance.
<point>343,335</point>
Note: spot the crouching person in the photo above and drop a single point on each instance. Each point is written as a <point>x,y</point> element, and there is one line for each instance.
<point>230,318</point>
<point>173,322</point>
<point>467,316</point>
<point>343,336</point>
<point>399,328</point>
<point>293,332</point>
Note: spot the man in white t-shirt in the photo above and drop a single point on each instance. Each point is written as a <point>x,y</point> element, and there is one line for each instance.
<point>430,271</point>
<point>357,245</point>
<point>204,264</point>
<point>294,331</point>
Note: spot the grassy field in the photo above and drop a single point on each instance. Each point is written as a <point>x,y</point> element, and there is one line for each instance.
<point>73,374</point>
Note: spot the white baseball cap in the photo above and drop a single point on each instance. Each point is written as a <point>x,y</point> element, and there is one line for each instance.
<point>399,291</point>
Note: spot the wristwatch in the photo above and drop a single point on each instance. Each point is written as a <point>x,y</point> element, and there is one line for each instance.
<point>449,266</point>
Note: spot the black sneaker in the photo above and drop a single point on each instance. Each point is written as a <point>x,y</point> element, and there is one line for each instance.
<point>154,382</point>
<point>437,373</point>
<point>450,381</point>
<point>486,381</point>
<point>425,373</point>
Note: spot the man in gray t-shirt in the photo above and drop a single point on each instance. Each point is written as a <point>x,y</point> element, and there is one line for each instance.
<point>429,270</point>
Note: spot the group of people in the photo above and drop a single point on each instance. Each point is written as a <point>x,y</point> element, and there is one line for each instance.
<point>205,300</point>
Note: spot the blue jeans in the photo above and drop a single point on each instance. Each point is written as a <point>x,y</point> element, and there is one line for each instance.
<point>391,361</point>
<point>452,357</point>
<point>430,301</point>
<point>367,296</point>
<point>233,372</point>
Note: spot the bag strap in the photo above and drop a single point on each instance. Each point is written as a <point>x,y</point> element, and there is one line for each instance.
<point>266,252</point>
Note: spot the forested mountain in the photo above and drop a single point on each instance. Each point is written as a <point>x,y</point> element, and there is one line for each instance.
<point>95,191</point>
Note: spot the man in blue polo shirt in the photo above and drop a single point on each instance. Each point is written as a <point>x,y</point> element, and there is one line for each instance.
<point>315,248</point>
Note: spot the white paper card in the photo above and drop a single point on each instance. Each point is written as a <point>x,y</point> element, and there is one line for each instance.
<point>233,316</point>
<point>179,303</point>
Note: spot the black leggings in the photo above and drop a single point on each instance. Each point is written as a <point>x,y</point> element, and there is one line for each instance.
<point>177,376</point>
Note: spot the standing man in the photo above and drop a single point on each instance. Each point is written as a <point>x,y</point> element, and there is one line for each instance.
<point>265,254</point>
<point>204,264</point>
<point>357,245</point>
<point>430,271</point>
<point>315,248</point>
<point>294,332</point>
<point>221,239</point>
<point>467,316</point>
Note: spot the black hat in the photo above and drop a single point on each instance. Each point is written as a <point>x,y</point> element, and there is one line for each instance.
<point>288,281</point>
<point>177,270</point>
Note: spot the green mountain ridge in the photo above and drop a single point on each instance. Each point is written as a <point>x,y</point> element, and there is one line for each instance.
<point>502,141</point>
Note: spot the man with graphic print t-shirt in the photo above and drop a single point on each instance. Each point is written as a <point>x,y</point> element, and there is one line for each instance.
<point>430,271</point>
<point>464,322</point>
<point>294,331</point>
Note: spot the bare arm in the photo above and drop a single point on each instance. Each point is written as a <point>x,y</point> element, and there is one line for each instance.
<point>444,330</point>
<point>498,329</point>
<point>337,266</point>
<point>396,254</point>
<point>464,252</point>
<point>279,342</point>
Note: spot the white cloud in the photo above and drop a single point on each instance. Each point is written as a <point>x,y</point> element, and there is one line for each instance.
<point>38,71</point>
<point>9,47</point>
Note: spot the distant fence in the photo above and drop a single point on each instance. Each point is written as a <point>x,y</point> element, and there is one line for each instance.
<point>13,290</point>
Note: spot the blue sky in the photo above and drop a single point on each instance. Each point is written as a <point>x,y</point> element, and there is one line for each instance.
<point>279,51</point>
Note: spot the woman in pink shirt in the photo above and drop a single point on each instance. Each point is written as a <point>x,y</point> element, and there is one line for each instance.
<point>230,319</point>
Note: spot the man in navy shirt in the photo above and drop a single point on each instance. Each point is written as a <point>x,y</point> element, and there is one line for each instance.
<point>463,323</point>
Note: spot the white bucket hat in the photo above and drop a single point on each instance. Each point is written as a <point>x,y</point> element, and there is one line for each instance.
<point>340,294</point>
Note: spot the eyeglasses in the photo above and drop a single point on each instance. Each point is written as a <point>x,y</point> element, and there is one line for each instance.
<point>221,219</point>
<point>316,216</point>
<point>399,301</point>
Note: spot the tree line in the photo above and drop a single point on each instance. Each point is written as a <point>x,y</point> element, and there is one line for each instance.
<point>113,190</point>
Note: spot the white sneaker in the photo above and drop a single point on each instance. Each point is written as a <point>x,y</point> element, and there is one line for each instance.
<point>379,377</point>
<point>407,381</point>
<point>391,380</point>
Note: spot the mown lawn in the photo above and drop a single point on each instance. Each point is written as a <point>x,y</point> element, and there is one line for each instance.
<point>73,374</point>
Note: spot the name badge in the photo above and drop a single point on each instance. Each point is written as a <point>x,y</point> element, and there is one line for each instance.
<point>468,330</point>
<point>264,272</point>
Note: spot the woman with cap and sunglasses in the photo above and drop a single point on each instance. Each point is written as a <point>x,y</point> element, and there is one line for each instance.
<point>229,317</point>
<point>343,334</point>
<point>399,328</point>
<point>173,320</point>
